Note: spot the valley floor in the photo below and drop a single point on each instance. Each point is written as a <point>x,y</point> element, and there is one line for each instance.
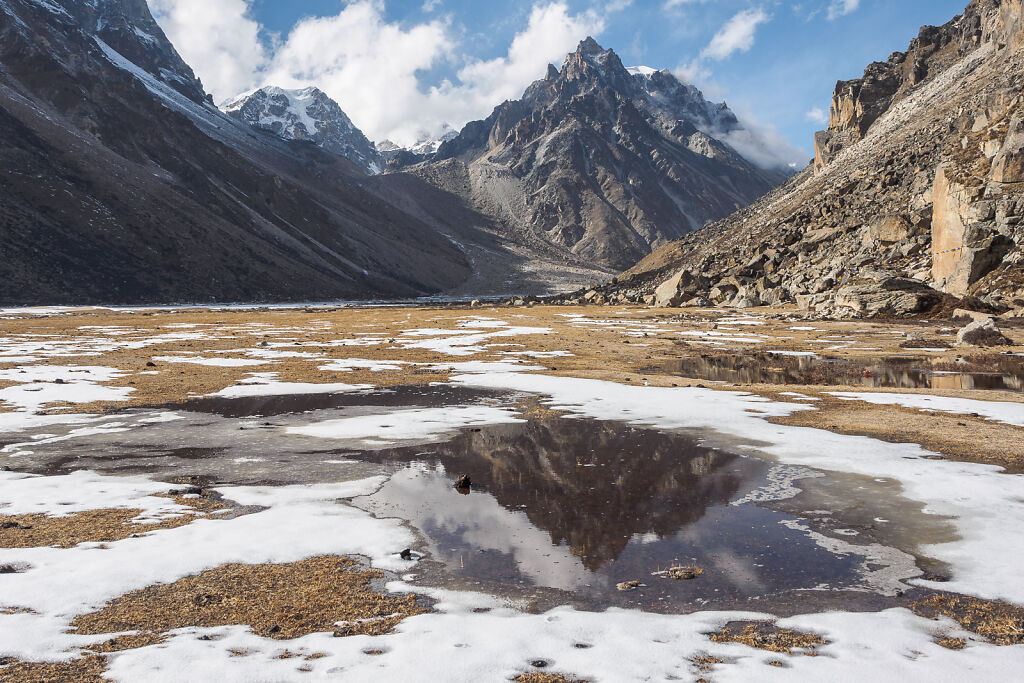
<point>268,494</point>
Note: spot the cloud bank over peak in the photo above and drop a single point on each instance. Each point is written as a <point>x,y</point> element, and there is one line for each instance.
<point>378,69</point>
<point>371,66</point>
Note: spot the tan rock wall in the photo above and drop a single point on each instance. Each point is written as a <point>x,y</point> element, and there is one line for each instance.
<point>948,232</point>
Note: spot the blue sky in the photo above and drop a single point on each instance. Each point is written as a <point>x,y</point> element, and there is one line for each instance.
<point>434,61</point>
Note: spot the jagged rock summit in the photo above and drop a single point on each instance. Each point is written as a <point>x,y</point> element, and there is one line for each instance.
<point>600,163</point>
<point>306,114</point>
<point>915,196</point>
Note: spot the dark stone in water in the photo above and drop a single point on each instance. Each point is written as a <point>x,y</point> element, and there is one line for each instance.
<point>405,554</point>
<point>463,482</point>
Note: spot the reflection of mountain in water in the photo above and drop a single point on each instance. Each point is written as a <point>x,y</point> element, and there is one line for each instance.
<point>903,372</point>
<point>591,485</point>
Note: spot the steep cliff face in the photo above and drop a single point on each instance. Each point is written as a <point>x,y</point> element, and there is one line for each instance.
<point>120,182</point>
<point>858,103</point>
<point>129,28</point>
<point>600,163</point>
<point>915,190</point>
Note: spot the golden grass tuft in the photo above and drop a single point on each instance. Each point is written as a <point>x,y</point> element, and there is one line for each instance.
<point>766,636</point>
<point>279,601</point>
<point>540,677</point>
<point>997,622</point>
<point>84,670</point>
<point>107,525</point>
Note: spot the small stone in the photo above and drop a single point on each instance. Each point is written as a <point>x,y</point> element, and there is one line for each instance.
<point>150,364</point>
<point>628,585</point>
<point>406,554</point>
<point>463,482</point>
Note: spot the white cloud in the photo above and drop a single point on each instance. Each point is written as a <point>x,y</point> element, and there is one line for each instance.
<point>839,8</point>
<point>673,4</point>
<point>737,35</point>
<point>365,63</point>
<point>430,5</point>
<point>371,66</point>
<point>217,38</point>
<point>817,115</point>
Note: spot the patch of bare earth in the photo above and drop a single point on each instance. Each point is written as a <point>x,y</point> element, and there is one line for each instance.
<point>94,526</point>
<point>766,636</point>
<point>282,601</point>
<point>999,623</point>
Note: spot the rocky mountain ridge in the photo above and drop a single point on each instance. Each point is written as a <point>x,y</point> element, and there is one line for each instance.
<point>915,196</point>
<point>598,163</point>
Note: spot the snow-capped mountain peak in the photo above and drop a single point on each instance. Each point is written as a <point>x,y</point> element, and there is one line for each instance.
<point>305,114</point>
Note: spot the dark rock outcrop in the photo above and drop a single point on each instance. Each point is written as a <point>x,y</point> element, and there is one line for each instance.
<point>917,180</point>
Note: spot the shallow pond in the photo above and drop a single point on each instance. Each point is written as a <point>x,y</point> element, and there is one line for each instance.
<point>558,504</point>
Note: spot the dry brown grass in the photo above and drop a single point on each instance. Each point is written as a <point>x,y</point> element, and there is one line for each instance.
<point>540,677</point>
<point>997,622</point>
<point>766,636</point>
<point>98,526</point>
<point>275,600</point>
<point>85,670</point>
<point>681,573</point>
<point>706,663</point>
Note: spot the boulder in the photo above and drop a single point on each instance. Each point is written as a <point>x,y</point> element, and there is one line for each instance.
<point>982,333</point>
<point>973,315</point>
<point>681,287</point>
<point>888,229</point>
<point>876,293</point>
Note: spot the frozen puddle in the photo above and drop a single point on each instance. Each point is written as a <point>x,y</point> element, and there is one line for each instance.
<point>561,510</point>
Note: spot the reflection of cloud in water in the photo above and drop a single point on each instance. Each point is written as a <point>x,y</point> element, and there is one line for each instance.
<point>425,497</point>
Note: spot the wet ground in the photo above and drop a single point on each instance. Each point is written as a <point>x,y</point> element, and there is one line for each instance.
<point>561,509</point>
<point>902,372</point>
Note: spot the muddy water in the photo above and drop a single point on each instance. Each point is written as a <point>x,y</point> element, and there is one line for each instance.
<point>895,372</point>
<point>565,506</point>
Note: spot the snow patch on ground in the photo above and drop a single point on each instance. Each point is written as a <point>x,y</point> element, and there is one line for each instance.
<point>1008,412</point>
<point>267,384</point>
<point>59,583</point>
<point>397,426</point>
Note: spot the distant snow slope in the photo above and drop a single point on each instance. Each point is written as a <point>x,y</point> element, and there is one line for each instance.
<point>306,114</point>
